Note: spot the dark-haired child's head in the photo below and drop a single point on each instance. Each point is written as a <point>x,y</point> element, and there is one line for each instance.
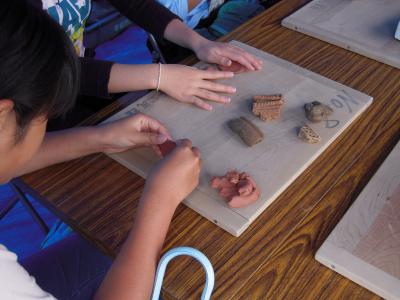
<point>38,80</point>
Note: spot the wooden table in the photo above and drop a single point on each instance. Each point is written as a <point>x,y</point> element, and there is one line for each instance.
<point>274,258</point>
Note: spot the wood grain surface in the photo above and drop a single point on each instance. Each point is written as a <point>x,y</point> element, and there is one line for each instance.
<point>273,259</point>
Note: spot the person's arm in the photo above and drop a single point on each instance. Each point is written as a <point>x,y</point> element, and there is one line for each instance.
<point>132,274</point>
<point>209,51</point>
<point>183,83</point>
<point>94,77</point>
<point>169,26</point>
<point>118,136</point>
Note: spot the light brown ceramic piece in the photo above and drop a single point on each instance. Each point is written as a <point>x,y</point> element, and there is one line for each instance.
<point>308,135</point>
<point>246,130</point>
<point>267,107</point>
<point>317,111</point>
<point>239,189</point>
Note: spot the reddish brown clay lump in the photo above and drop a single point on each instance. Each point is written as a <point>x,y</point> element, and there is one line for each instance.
<point>239,189</point>
<point>247,131</point>
<point>267,107</point>
<point>167,147</point>
<point>234,67</point>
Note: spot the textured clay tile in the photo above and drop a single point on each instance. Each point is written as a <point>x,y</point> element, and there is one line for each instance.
<point>267,107</point>
<point>308,135</point>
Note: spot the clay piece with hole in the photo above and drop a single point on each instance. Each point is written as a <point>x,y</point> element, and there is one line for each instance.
<point>307,134</point>
<point>234,67</point>
<point>239,189</point>
<point>167,147</point>
<point>317,111</point>
<point>268,107</point>
<point>246,130</point>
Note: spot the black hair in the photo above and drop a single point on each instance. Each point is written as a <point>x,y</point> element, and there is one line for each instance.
<point>38,66</point>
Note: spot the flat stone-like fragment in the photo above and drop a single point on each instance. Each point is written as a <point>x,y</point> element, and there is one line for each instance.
<point>267,107</point>
<point>317,111</point>
<point>308,135</point>
<point>246,130</point>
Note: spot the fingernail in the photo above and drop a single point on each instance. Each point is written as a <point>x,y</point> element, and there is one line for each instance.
<point>233,89</point>
<point>161,138</point>
<point>227,100</point>
<point>208,107</point>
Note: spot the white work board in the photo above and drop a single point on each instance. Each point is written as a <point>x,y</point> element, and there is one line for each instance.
<point>276,161</point>
<point>366,27</point>
<point>365,245</point>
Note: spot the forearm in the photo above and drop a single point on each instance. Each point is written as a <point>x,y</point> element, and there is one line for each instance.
<point>177,32</point>
<point>64,145</point>
<point>127,78</point>
<point>132,274</point>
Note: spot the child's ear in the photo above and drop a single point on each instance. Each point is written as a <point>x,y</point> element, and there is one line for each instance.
<point>6,108</point>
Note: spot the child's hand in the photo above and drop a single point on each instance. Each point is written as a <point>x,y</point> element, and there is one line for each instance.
<point>190,85</point>
<point>175,176</point>
<point>131,132</point>
<point>223,54</point>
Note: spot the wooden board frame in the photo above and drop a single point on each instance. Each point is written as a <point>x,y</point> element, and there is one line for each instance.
<point>367,27</point>
<point>209,131</point>
<point>365,245</point>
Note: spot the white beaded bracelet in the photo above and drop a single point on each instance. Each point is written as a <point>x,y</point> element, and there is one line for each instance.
<point>159,77</point>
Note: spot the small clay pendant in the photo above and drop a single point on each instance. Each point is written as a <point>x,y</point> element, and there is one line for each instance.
<point>308,135</point>
<point>267,107</point>
<point>246,130</point>
<point>317,112</point>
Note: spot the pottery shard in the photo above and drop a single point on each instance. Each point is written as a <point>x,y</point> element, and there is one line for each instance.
<point>317,111</point>
<point>239,189</point>
<point>267,107</point>
<point>308,135</point>
<point>246,130</point>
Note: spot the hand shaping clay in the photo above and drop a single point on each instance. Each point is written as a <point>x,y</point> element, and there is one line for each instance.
<point>239,189</point>
<point>167,147</point>
<point>267,107</point>
<point>247,131</point>
<point>234,67</point>
<point>308,135</point>
<point>317,112</point>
